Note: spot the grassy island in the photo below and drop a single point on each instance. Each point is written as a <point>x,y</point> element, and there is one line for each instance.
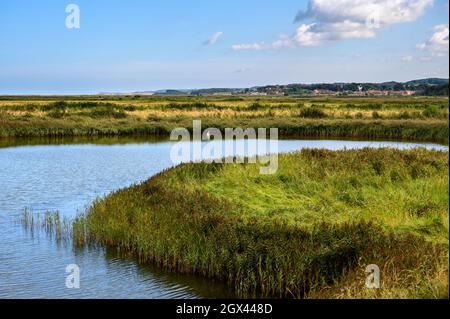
<point>309,231</point>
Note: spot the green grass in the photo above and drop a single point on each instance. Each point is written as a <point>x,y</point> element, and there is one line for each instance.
<point>117,123</point>
<point>308,231</point>
<point>312,112</point>
<point>424,119</point>
<point>56,228</point>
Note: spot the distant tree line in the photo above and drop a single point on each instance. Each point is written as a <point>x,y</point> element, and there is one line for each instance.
<point>432,87</point>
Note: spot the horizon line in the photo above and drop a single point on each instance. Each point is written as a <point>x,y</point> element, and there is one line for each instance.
<point>208,88</point>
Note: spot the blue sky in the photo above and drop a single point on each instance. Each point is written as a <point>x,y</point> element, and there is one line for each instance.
<point>148,45</point>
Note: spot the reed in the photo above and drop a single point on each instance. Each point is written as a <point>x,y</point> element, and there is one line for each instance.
<point>55,227</point>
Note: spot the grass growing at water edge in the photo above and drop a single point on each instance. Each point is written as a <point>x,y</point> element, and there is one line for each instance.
<point>55,227</point>
<point>308,231</point>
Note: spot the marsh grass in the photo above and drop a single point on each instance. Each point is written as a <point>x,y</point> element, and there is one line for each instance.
<point>116,124</point>
<point>312,113</point>
<point>189,106</point>
<point>421,119</point>
<point>106,112</point>
<point>424,119</point>
<point>51,223</point>
<point>434,111</point>
<point>306,232</point>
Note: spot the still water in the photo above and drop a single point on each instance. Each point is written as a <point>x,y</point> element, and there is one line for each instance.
<point>66,177</point>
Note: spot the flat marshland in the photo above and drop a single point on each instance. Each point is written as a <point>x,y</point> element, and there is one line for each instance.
<point>414,118</point>
<point>309,231</point>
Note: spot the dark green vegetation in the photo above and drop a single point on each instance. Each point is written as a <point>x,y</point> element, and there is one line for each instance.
<point>414,118</point>
<point>423,87</point>
<point>307,231</point>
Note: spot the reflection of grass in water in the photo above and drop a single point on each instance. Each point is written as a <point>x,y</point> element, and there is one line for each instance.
<point>55,227</point>
<point>60,229</point>
<point>74,140</point>
<point>67,231</point>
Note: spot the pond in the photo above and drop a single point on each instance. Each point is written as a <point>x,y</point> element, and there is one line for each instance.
<point>67,176</point>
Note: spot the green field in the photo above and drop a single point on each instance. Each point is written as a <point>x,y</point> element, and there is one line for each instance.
<point>413,118</point>
<point>308,231</point>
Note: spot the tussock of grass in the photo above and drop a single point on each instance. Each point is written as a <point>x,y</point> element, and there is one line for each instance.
<point>312,113</point>
<point>307,231</point>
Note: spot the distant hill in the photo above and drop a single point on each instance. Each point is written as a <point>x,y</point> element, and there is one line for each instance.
<point>430,81</point>
<point>429,86</point>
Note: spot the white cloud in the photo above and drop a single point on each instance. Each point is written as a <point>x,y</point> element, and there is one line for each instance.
<point>388,12</point>
<point>407,58</point>
<point>438,44</point>
<point>213,38</point>
<point>331,20</point>
<point>252,46</point>
<point>317,33</point>
<point>283,41</point>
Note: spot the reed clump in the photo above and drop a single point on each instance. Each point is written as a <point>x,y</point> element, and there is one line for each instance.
<point>51,223</point>
<point>312,113</point>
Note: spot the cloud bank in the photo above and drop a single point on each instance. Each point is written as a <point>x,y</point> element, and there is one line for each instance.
<point>331,20</point>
